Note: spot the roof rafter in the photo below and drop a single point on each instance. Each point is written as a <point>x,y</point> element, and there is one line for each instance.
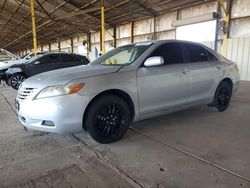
<point>12,14</point>
<point>61,19</point>
<point>149,10</point>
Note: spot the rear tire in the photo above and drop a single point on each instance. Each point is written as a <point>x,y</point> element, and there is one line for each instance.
<point>222,96</point>
<point>16,79</point>
<point>108,118</point>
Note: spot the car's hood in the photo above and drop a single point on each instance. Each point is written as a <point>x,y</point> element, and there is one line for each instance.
<point>64,76</point>
<point>3,64</point>
<point>11,63</point>
<point>9,53</point>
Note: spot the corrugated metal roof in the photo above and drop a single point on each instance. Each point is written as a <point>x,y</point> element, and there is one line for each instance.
<point>53,23</point>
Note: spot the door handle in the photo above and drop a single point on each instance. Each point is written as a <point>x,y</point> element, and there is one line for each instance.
<point>218,67</point>
<point>185,71</point>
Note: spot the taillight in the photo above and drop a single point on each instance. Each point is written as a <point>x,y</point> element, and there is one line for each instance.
<point>236,67</point>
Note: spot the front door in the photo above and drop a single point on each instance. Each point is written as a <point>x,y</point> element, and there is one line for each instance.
<point>165,86</point>
<point>45,63</point>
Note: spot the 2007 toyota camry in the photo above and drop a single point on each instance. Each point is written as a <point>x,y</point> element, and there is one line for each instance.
<point>129,83</point>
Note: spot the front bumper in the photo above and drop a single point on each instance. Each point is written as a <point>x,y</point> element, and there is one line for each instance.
<point>1,75</point>
<point>61,114</point>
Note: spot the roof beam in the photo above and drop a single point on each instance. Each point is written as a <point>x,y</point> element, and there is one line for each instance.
<point>149,10</point>
<point>12,14</point>
<point>3,5</point>
<point>44,10</point>
<point>51,22</point>
<point>76,5</point>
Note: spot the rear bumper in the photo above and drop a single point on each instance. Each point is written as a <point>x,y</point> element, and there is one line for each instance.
<point>236,87</point>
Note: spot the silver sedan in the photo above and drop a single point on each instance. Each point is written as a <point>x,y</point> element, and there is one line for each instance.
<point>129,83</point>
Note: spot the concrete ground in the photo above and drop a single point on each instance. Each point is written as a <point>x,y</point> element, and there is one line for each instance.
<point>199,147</point>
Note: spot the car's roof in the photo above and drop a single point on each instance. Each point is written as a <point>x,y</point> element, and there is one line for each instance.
<point>159,42</point>
<point>162,41</point>
<point>47,53</point>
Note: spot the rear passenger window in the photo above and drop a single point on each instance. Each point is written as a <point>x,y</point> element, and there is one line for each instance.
<point>195,53</point>
<point>171,52</point>
<point>211,56</point>
<point>77,59</point>
<point>83,59</point>
<point>52,58</point>
<point>67,58</point>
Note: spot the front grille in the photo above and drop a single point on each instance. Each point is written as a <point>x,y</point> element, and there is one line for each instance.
<point>25,93</point>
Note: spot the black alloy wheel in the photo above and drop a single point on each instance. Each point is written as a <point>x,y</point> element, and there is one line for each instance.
<point>15,80</point>
<point>108,119</point>
<point>222,96</point>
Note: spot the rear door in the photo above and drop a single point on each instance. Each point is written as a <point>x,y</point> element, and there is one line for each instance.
<point>205,71</point>
<point>165,86</point>
<point>45,63</point>
<point>69,60</point>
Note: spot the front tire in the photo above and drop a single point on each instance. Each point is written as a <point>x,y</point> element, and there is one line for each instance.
<point>108,119</point>
<point>222,96</point>
<point>8,82</point>
<point>16,79</point>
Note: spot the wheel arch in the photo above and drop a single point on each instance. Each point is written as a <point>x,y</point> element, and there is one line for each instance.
<point>226,79</point>
<point>229,81</point>
<point>117,92</point>
<point>22,73</point>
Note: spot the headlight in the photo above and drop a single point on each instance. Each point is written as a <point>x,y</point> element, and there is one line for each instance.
<point>52,91</point>
<point>9,70</point>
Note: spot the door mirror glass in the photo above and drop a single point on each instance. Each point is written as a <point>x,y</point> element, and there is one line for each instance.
<point>154,61</point>
<point>36,62</point>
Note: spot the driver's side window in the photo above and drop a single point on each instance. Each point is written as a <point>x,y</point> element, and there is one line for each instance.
<point>171,53</point>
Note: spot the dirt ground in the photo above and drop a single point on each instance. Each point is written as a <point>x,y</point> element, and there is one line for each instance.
<point>199,147</point>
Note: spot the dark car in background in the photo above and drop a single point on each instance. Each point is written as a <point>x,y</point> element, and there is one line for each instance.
<point>16,74</point>
<point>15,61</point>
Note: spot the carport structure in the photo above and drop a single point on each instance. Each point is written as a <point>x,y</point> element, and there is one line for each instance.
<point>193,148</point>
<point>65,25</point>
<point>64,19</point>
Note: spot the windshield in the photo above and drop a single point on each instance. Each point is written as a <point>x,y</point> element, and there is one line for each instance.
<point>123,55</point>
<point>31,60</point>
<point>31,55</point>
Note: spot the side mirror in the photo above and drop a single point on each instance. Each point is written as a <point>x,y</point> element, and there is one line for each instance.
<point>36,62</point>
<point>154,61</point>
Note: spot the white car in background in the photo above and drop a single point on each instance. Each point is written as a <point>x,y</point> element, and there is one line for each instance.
<point>9,57</point>
<point>17,60</point>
